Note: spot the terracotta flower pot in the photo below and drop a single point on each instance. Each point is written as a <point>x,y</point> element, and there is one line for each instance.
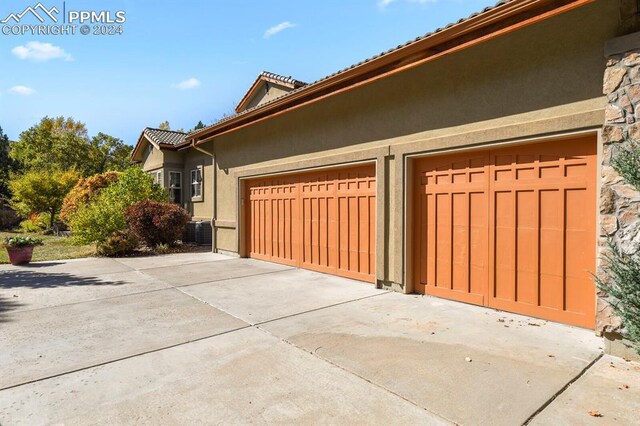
<point>20,255</point>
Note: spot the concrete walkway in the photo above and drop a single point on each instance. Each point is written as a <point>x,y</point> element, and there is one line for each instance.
<point>206,339</point>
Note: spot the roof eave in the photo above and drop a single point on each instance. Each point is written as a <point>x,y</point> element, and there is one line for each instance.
<point>406,57</point>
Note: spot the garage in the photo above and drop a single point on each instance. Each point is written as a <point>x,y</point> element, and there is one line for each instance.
<point>511,228</point>
<point>322,220</point>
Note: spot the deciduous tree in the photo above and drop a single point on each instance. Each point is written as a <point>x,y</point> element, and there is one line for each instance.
<point>41,191</point>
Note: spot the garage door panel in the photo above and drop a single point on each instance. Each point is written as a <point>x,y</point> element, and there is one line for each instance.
<point>323,221</point>
<point>528,240</point>
<point>452,195</point>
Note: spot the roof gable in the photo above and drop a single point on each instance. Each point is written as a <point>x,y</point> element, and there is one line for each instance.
<point>160,139</point>
<point>256,94</point>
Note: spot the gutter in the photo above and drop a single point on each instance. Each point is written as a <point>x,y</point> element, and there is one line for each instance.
<point>467,33</point>
<point>214,241</point>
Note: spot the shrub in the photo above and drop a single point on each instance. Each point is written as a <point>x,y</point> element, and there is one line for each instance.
<point>35,223</point>
<point>162,249</point>
<point>104,215</point>
<point>8,218</point>
<point>85,190</point>
<point>622,282</point>
<point>621,278</point>
<point>119,244</point>
<point>157,223</point>
<point>627,163</point>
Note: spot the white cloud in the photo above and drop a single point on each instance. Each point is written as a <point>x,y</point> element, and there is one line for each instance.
<point>188,84</point>
<point>384,3</point>
<point>40,52</point>
<point>278,28</point>
<point>22,90</point>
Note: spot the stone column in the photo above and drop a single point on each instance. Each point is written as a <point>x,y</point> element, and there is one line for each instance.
<point>619,201</point>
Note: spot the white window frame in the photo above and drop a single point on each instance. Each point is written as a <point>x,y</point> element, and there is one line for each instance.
<point>178,187</point>
<point>196,178</point>
<point>157,177</point>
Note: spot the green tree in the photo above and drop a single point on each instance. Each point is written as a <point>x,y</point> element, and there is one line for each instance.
<point>164,126</point>
<point>59,143</point>
<point>199,126</point>
<point>104,216</point>
<point>63,144</point>
<point>7,166</point>
<point>41,191</point>
<point>109,154</point>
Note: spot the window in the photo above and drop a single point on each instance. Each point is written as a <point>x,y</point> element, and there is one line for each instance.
<point>157,177</point>
<point>196,184</point>
<point>175,187</point>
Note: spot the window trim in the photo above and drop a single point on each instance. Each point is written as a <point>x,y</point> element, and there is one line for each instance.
<point>200,196</point>
<point>179,186</point>
<point>158,177</point>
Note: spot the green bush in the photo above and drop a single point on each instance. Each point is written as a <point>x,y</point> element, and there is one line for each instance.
<point>35,223</point>
<point>162,249</point>
<point>103,216</point>
<point>157,223</point>
<point>621,278</point>
<point>120,243</point>
<point>627,163</point>
<point>623,283</point>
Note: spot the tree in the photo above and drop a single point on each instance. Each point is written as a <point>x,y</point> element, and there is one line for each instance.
<point>199,126</point>
<point>60,143</point>
<point>110,153</point>
<point>166,126</point>
<point>41,191</point>
<point>7,166</point>
<point>63,144</point>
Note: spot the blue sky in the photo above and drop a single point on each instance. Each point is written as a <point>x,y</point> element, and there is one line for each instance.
<point>194,59</point>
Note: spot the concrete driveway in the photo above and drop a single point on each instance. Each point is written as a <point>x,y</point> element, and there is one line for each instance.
<point>208,339</point>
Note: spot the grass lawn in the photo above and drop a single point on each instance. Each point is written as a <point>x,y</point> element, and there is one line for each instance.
<point>54,248</point>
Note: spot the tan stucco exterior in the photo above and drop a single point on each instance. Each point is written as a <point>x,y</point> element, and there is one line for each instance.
<point>541,80</point>
<point>266,92</point>
<point>183,161</point>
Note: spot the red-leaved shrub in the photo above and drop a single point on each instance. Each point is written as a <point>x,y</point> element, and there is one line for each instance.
<point>157,223</point>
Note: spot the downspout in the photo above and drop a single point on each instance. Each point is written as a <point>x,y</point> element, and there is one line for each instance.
<point>214,240</point>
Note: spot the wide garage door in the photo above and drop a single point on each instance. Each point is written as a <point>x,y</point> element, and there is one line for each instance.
<point>513,229</point>
<point>323,221</point>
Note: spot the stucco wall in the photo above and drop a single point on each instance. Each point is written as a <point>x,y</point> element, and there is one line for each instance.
<point>541,79</point>
<point>275,91</point>
<point>151,160</point>
<point>200,210</point>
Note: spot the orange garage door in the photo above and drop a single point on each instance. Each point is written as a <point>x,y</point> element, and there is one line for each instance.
<point>323,221</point>
<point>513,229</point>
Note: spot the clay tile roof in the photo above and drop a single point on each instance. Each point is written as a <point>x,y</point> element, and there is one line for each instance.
<point>308,86</point>
<point>289,81</point>
<point>164,137</point>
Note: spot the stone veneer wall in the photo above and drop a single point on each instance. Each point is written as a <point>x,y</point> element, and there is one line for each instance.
<point>619,201</point>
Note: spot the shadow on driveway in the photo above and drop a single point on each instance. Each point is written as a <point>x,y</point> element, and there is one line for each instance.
<point>31,278</point>
<point>7,304</point>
